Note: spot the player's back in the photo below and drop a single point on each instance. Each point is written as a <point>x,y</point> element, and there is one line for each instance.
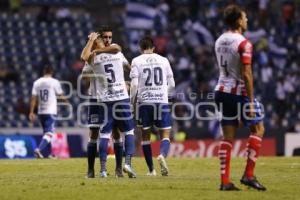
<point>152,71</point>
<point>232,50</point>
<point>46,88</point>
<point>109,71</point>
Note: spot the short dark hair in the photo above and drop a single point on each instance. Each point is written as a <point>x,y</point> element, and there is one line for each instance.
<point>232,14</point>
<point>104,28</point>
<point>146,43</point>
<point>48,69</point>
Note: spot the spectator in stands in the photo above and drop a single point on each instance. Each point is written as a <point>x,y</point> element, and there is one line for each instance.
<point>45,14</point>
<point>15,5</point>
<point>6,74</point>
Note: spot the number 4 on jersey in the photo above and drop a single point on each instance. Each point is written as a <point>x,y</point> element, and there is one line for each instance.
<point>224,64</point>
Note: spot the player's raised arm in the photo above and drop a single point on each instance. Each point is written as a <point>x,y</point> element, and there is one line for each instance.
<point>113,48</point>
<point>87,53</point>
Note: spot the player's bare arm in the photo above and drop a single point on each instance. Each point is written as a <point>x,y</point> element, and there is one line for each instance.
<point>127,67</point>
<point>133,89</point>
<point>114,48</point>
<point>87,53</point>
<point>33,103</point>
<point>248,79</point>
<point>62,98</point>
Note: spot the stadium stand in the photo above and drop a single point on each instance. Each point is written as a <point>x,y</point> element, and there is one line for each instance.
<point>184,31</point>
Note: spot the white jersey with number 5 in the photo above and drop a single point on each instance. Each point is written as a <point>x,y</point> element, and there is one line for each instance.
<point>153,72</point>
<point>233,51</point>
<point>46,89</point>
<point>109,75</point>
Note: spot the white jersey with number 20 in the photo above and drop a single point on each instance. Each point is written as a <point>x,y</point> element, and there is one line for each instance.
<point>153,72</point>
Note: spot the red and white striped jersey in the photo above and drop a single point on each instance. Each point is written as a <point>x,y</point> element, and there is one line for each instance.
<point>232,51</point>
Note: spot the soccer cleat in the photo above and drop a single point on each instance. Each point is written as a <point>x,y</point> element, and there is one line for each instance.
<point>229,187</point>
<point>252,182</point>
<point>103,174</point>
<point>90,174</point>
<point>38,154</point>
<point>52,157</point>
<point>118,173</point>
<point>127,169</point>
<point>152,173</point>
<point>163,165</point>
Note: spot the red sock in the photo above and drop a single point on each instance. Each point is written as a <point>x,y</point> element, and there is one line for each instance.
<point>224,156</point>
<point>254,144</point>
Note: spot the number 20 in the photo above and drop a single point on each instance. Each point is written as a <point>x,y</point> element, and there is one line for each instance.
<point>158,79</point>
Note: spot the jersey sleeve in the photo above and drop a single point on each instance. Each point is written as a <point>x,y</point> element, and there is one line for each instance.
<point>169,69</point>
<point>134,73</point>
<point>124,60</point>
<point>58,89</point>
<point>245,51</point>
<point>87,68</point>
<point>34,89</point>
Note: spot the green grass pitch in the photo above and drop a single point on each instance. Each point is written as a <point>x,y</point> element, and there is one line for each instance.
<point>189,179</point>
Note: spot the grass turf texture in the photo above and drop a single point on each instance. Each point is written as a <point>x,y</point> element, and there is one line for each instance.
<point>189,179</point>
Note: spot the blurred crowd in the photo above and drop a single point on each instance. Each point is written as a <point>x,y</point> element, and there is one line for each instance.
<point>186,33</point>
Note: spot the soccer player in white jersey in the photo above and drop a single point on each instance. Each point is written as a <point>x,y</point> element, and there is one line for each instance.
<point>93,112</point>
<point>114,108</point>
<point>234,96</point>
<point>44,94</point>
<point>151,82</point>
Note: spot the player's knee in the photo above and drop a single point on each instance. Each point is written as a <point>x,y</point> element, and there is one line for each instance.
<point>116,134</point>
<point>94,132</point>
<point>260,130</point>
<point>165,133</point>
<point>119,140</point>
<point>146,136</point>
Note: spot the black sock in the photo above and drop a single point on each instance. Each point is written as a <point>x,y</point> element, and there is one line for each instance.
<point>91,154</point>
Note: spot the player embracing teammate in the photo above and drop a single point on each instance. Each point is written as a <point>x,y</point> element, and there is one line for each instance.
<point>152,79</point>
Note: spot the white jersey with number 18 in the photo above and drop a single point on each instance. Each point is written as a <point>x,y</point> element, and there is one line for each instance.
<point>46,89</point>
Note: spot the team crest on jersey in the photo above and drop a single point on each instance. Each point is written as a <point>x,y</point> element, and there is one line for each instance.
<point>248,47</point>
<point>105,57</point>
<point>151,60</point>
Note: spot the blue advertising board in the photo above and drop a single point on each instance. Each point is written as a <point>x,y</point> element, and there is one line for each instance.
<point>17,146</point>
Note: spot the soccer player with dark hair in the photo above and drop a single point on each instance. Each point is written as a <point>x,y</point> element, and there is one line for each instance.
<point>234,95</point>
<point>96,47</point>
<point>151,82</point>
<point>44,94</point>
<point>112,95</point>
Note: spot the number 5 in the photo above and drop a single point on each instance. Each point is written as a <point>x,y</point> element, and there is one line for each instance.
<point>108,69</point>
